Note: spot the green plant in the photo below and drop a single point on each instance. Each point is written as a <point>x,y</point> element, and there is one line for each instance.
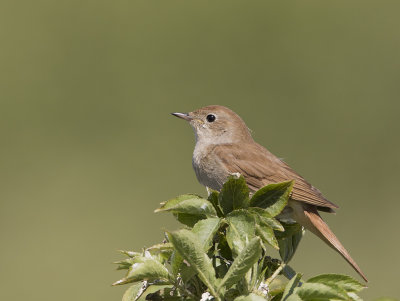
<point>222,252</point>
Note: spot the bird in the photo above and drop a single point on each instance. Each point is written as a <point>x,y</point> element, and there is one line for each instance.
<point>224,146</point>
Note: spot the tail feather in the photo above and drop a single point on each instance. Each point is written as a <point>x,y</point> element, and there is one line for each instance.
<point>312,221</point>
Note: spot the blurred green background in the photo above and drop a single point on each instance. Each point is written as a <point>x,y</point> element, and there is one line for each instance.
<point>88,148</point>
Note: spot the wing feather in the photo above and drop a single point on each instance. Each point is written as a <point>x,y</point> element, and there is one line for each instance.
<point>260,168</point>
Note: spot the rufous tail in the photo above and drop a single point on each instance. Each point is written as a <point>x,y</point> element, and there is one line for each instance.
<point>312,221</point>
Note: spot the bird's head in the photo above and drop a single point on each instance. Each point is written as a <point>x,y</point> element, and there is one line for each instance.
<point>217,125</point>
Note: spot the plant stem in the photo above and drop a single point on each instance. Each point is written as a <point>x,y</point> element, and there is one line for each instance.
<point>275,274</point>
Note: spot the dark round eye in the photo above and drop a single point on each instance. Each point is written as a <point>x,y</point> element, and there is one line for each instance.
<point>211,117</point>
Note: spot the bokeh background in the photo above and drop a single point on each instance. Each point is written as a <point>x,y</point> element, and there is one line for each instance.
<point>88,148</point>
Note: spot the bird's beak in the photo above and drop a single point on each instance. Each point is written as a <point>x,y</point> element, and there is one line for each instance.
<point>183,116</point>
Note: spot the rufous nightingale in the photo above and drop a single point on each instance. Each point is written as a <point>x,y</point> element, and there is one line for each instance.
<point>224,146</point>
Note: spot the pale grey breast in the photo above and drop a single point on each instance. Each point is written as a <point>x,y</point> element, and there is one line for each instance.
<point>209,170</point>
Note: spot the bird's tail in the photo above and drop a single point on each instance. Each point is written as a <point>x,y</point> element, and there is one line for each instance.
<point>312,221</point>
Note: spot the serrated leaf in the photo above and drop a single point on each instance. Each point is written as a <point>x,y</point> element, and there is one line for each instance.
<point>265,218</point>
<point>319,291</point>
<point>347,283</point>
<point>273,197</point>
<point>267,235</point>
<point>205,231</point>
<point>189,204</point>
<point>250,297</point>
<point>234,194</point>
<point>145,268</point>
<point>240,231</point>
<point>188,246</point>
<point>245,260</point>
<point>131,293</point>
<point>291,286</point>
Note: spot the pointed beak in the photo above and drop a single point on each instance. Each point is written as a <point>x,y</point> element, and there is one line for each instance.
<point>183,116</point>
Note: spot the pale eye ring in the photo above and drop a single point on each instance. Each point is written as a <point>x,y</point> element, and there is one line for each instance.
<point>211,117</point>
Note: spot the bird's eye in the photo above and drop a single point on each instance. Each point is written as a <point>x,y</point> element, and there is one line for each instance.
<point>210,117</point>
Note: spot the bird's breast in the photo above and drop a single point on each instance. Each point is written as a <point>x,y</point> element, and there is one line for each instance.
<point>209,170</point>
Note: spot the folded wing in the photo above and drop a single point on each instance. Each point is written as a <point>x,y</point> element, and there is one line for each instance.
<point>260,168</point>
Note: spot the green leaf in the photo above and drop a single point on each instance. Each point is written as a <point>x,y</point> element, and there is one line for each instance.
<point>189,219</point>
<point>288,272</point>
<point>289,240</point>
<point>263,217</point>
<point>187,244</point>
<point>273,197</point>
<point>290,229</point>
<point>338,290</point>
<point>250,297</point>
<point>294,297</point>
<point>160,248</point>
<point>221,269</point>
<point>355,297</point>
<point>234,194</point>
<point>345,282</point>
<point>130,253</point>
<point>155,292</point>
<point>214,199</point>
<point>276,288</point>
<point>125,264</point>
<point>245,260</point>
<point>205,231</point>
<point>189,204</point>
<point>267,235</point>
<point>176,263</point>
<point>240,231</point>
<point>146,268</point>
<point>161,251</point>
<point>131,293</point>
<point>175,201</point>
<point>181,268</point>
<point>291,286</point>
<point>223,247</point>
<point>319,291</point>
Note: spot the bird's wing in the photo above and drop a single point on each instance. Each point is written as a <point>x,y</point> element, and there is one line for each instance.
<point>260,168</point>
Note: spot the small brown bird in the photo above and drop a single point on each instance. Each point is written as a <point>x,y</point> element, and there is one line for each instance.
<point>224,146</point>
